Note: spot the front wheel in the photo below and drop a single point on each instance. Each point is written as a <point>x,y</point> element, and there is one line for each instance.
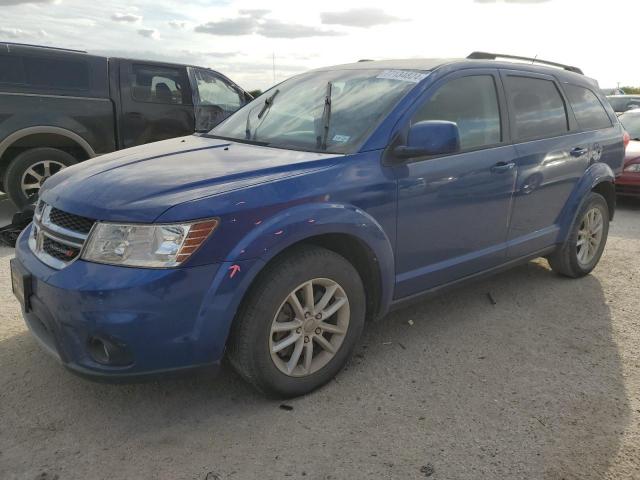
<point>299,324</point>
<point>28,171</point>
<point>583,248</point>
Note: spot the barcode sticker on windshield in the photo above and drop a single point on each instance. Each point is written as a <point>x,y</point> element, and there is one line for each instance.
<point>403,75</point>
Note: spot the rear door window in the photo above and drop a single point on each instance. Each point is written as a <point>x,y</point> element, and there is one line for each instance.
<point>537,108</point>
<point>158,84</point>
<point>589,112</point>
<point>472,104</point>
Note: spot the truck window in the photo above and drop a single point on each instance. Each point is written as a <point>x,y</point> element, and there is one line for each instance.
<point>11,70</point>
<point>589,112</point>
<point>44,73</point>
<point>57,73</point>
<point>537,107</point>
<point>213,90</point>
<point>154,84</point>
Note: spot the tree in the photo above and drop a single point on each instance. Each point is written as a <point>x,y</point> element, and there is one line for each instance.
<point>631,90</point>
<point>255,93</point>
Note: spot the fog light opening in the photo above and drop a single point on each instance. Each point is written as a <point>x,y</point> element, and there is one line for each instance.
<point>107,352</point>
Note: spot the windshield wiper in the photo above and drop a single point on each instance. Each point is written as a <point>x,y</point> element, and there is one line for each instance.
<point>321,141</point>
<point>267,104</point>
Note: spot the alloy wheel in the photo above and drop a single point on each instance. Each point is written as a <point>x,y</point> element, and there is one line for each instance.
<point>36,174</point>
<point>589,236</point>
<point>309,327</point>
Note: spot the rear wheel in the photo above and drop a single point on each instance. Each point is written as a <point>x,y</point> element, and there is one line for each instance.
<point>28,171</point>
<point>299,324</point>
<point>586,241</point>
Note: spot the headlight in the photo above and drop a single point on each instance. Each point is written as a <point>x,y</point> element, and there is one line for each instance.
<point>154,246</point>
<point>634,167</point>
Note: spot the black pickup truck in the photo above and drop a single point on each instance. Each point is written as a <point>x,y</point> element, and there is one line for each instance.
<point>59,107</point>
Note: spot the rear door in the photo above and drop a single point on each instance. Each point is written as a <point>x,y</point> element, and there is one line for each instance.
<point>453,210</point>
<point>156,103</point>
<point>553,154</point>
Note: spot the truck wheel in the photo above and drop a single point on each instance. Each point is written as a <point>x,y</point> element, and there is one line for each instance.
<point>299,323</point>
<point>28,171</point>
<point>579,255</point>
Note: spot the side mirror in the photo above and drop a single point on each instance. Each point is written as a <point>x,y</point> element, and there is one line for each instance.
<point>430,137</point>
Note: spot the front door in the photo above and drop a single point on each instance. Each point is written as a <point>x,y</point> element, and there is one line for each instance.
<point>215,98</point>
<point>156,103</point>
<point>453,210</point>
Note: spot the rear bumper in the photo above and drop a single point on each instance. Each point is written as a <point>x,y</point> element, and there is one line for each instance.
<point>165,320</point>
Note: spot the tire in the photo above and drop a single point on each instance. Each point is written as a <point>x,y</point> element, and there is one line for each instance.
<point>269,304</point>
<point>30,169</point>
<point>567,259</point>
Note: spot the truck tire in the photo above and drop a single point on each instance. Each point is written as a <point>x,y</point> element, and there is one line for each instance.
<point>587,238</point>
<point>299,324</point>
<point>27,172</point>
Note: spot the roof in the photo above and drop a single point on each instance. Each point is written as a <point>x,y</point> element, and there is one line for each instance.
<point>429,64</point>
<point>624,96</point>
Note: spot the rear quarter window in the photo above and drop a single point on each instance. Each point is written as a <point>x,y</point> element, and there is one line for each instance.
<point>537,108</point>
<point>588,110</point>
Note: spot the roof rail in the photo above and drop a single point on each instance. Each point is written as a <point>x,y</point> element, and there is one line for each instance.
<point>494,56</point>
<point>41,46</point>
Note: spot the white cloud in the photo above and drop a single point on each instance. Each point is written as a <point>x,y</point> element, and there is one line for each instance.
<point>359,17</point>
<point>177,25</point>
<point>12,32</point>
<point>22,2</point>
<point>229,26</point>
<point>126,17</point>
<point>149,33</point>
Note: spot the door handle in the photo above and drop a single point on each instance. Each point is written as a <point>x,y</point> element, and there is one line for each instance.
<point>578,152</point>
<point>503,167</point>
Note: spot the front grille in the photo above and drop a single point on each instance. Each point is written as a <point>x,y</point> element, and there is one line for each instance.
<point>70,221</point>
<point>59,250</point>
<point>57,237</point>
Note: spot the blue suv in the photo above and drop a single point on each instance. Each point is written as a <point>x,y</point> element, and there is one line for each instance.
<point>334,197</point>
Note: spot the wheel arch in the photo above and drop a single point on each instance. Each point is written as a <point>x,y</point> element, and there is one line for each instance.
<point>43,136</point>
<point>343,229</point>
<point>599,178</point>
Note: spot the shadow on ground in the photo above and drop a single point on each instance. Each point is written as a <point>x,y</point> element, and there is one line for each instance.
<point>530,387</point>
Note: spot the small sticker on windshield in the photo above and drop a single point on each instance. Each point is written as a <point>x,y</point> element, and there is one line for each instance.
<point>403,75</point>
<point>341,138</point>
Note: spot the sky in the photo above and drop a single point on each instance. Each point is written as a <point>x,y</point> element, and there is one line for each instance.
<point>241,38</point>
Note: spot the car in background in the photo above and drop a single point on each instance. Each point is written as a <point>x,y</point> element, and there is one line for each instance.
<point>628,182</point>
<point>59,107</point>
<point>334,197</point>
<point>623,103</point>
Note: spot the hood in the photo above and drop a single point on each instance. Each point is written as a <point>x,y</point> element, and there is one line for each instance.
<point>632,152</point>
<point>140,183</point>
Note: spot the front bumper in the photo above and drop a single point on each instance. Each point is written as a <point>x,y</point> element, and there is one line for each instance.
<point>628,184</point>
<point>165,319</point>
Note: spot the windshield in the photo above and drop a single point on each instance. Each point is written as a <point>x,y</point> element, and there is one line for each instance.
<point>631,123</point>
<point>329,111</point>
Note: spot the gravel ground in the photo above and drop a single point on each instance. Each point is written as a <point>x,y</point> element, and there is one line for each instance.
<point>544,384</point>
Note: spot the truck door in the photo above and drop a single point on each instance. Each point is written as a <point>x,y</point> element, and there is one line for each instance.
<point>156,103</point>
<point>215,98</point>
